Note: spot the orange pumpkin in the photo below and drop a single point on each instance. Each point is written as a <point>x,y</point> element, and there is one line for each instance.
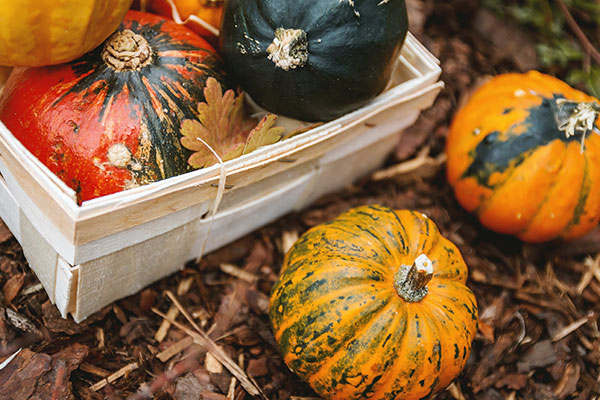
<point>204,15</point>
<point>373,305</point>
<point>524,156</point>
<point>34,33</point>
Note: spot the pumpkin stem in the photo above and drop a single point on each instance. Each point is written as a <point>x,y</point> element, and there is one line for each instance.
<point>574,117</point>
<point>127,51</point>
<point>411,281</point>
<point>289,48</point>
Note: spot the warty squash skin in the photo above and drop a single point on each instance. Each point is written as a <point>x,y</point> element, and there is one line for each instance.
<point>511,164</point>
<point>347,326</point>
<point>312,60</point>
<point>111,120</point>
<point>35,33</point>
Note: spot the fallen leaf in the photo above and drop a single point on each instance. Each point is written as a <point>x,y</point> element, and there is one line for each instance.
<point>221,126</point>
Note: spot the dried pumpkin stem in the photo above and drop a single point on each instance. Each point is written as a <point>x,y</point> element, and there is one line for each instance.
<point>411,281</point>
<point>289,48</point>
<point>127,51</point>
<point>575,117</point>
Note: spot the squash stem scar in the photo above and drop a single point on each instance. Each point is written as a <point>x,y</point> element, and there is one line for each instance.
<point>289,48</point>
<point>411,281</point>
<point>574,117</point>
<point>127,51</point>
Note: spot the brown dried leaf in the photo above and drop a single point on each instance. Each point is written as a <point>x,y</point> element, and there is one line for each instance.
<point>12,287</point>
<point>222,126</point>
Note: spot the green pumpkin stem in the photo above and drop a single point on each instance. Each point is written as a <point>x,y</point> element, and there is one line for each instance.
<point>411,281</point>
<point>289,48</point>
<point>575,117</point>
<point>127,51</point>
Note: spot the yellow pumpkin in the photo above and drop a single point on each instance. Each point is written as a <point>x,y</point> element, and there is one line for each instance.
<point>34,33</point>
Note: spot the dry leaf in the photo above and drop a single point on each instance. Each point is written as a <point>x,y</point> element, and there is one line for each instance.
<point>222,126</point>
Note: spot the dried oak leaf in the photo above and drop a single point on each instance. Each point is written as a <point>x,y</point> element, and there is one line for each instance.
<point>223,127</point>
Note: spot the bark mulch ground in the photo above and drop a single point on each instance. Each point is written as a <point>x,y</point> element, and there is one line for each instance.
<point>539,304</point>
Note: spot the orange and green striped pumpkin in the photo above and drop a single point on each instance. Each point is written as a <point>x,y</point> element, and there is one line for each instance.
<point>374,305</point>
<point>524,156</point>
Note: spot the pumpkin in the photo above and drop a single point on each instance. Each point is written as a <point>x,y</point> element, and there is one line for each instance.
<point>206,14</point>
<point>34,33</point>
<point>524,156</point>
<point>312,60</point>
<point>110,120</point>
<point>374,305</point>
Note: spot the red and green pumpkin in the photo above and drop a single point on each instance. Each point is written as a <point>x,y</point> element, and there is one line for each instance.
<point>524,156</point>
<point>110,120</point>
<point>373,305</point>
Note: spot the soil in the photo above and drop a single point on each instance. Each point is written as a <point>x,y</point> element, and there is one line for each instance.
<point>539,304</point>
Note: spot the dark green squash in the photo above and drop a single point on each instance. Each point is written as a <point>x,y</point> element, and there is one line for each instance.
<point>340,53</point>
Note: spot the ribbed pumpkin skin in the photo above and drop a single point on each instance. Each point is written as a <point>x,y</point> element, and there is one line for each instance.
<point>352,50</point>
<point>209,12</point>
<point>510,164</point>
<point>36,33</point>
<point>342,327</point>
<point>101,130</point>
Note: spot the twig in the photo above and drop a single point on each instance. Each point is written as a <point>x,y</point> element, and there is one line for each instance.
<point>163,329</point>
<point>247,382</point>
<point>567,330</point>
<point>146,391</point>
<point>239,273</point>
<point>176,348</point>
<point>92,369</point>
<point>588,47</point>
<point>111,378</point>
<point>202,338</point>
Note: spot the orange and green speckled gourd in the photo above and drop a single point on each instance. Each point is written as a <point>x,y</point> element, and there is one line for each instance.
<point>373,305</point>
<point>524,156</point>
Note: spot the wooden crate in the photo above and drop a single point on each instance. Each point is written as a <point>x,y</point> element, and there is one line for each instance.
<point>91,255</point>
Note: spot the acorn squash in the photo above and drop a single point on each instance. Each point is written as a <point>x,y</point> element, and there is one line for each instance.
<point>312,60</point>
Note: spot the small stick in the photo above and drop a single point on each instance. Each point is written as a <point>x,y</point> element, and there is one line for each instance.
<point>567,330</point>
<point>589,48</point>
<point>239,273</point>
<point>203,339</point>
<point>163,329</point>
<point>174,349</point>
<point>92,369</point>
<point>111,378</point>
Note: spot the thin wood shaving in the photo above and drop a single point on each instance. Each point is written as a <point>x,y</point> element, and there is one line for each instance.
<point>183,287</point>
<point>202,338</point>
<point>175,348</point>
<point>100,337</point>
<point>288,238</point>
<point>567,330</point>
<point>239,273</point>
<point>92,369</point>
<point>112,378</point>
<point>212,365</point>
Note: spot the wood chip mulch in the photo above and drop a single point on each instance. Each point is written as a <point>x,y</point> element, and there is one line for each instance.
<point>539,304</point>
